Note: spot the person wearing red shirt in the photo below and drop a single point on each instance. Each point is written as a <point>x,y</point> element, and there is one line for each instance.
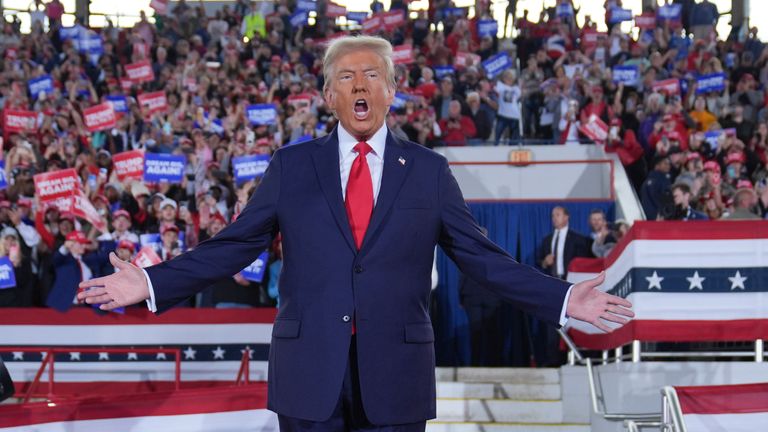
<point>624,143</point>
<point>596,106</point>
<point>456,127</point>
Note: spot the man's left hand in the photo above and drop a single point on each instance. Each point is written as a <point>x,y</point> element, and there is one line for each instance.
<point>591,305</point>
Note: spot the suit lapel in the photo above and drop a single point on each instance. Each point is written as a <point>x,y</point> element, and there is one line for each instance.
<point>397,163</point>
<point>326,159</point>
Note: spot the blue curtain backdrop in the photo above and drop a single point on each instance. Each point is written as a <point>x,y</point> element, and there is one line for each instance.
<point>519,228</point>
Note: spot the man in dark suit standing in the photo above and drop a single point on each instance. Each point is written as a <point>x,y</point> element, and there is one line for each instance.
<point>554,255</point>
<point>359,212</point>
<point>563,245</point>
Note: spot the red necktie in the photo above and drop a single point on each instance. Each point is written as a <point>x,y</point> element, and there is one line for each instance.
<point>359,201</point>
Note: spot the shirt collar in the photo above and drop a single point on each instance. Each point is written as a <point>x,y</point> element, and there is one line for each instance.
<point>347,142</point>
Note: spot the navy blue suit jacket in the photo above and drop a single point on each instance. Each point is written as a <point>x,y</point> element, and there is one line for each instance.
<point>385,285</point>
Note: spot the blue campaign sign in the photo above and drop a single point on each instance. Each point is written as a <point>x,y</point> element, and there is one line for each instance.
<point>713,138</point>
<point>710,83</point>
<point>249,167</point>
<point>74,32</point>
<point>301,139</point>
<point>357,16</point>
<point>89,44</point>
<point>497,64</point>
<point>307,5</point>
<point>119,103</point>
<point>255,271</point>
<point>487,28</point>
<point>164,167</point>
<point>262,114</point>
<point>628,75</point>
<point>299,19</point>
<point>42,83</point>
<point>455,12</point>
<point>670,12</point>
<point>564,10</point>
<point>3,179</point>
<point>400,100</point>
<point>441,71</point>
<point>620,15</point>
<point>7,275</point>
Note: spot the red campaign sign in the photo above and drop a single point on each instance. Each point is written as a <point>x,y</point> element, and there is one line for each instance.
<point>19,121</point>
<point>595,129</point>
<point>129,164</point>
<point>590,38</point>
<point>126,84</point>
<point>372,24</point>
<point>668,86</point>
<point>332,10</point>
<point>84,209</point>
<point>11,53</point>
<point>300,102</point>
<point>465,59</point>
<point>140,71</point>
<point>100,117</point>
<point>402,54</point>
<point>160,6</point>
<point>392,20</point>
<point>51,186</point>
<point>146,257</point>
<point>646,21</point>
<point>155,101</point>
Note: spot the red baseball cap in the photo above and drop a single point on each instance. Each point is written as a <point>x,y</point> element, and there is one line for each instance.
<point>24,202</point>
<point>126,244</point>
<point>711,166</point>
<point>219,217</point>
<point>77,236</point>
<point>692,156</point>
<point>735,157</point>
<point>167,228</point>
<point>122,213</point>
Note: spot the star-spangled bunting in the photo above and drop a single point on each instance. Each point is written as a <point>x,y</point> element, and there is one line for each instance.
<point>74,356</point>
<point>737,281</point>
<point>133,356</point>
<point>654,281</point>
<point>103,356</point>
<point>17,355</point>
<point>218,353</point>
<point>696,281</point>
<point>189,353</point>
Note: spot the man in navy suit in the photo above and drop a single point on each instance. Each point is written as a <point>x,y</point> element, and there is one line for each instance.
<point>360,212</point>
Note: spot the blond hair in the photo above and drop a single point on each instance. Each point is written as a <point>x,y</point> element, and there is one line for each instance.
<point>349,44</point>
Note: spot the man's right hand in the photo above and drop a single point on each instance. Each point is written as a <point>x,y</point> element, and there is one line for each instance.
<point>548,261</point>
<point>124,288</point>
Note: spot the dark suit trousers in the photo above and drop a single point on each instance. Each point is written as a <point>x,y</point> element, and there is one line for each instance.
<point>349,415</point>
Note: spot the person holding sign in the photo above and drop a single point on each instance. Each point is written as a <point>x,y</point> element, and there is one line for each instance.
<point>360,212</point>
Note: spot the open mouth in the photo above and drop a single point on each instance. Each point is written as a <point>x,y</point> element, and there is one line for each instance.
<point>361,109</point>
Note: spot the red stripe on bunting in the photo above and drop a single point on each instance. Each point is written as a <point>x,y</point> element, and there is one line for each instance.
<point>676,230</point>
<point>112,388</point>
<point>138,315</point>
<point>724,399</point>
<point>199,401</point>
<point>674,331</point>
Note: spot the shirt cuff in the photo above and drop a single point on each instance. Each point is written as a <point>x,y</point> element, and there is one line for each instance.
<point>151,300</point>
<point>563,317</point>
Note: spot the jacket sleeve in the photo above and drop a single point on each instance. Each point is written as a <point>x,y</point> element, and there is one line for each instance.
<point>489,265</point>
<point>230,251</point>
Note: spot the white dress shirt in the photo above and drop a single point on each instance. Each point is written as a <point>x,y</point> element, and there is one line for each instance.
<point>347,156</point>
<point>560,237</point>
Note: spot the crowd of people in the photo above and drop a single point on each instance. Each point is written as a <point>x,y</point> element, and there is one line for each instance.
<point>690,154</point>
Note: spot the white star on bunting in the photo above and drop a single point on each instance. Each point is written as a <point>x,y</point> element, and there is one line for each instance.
<point>696,281</point>
<point>133,356</point>
<point>189,353</point>
<point>218,353</point>
<point>250,352</point>
<point>161,356</point>
<point>654,281</point>
<point>74,356</point>
<point>18,355</point>
<point>103,356</point>
<point>737,281</point>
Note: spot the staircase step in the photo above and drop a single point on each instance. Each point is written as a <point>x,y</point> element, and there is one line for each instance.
<point>499,410</point>
<point>501,375</point>
<point>436,426</point>
<point>498,391</point>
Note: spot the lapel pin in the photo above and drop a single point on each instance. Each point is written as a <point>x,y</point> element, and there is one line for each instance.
<point>401,160</point>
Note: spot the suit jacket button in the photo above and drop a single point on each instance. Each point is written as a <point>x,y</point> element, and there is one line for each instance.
<point>346,318</point>
<point>358,269</point>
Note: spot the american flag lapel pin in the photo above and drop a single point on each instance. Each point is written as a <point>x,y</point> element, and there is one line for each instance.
<point>401,160</point>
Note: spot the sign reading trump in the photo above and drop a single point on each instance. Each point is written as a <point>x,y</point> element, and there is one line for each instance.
<point>129,165</point>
